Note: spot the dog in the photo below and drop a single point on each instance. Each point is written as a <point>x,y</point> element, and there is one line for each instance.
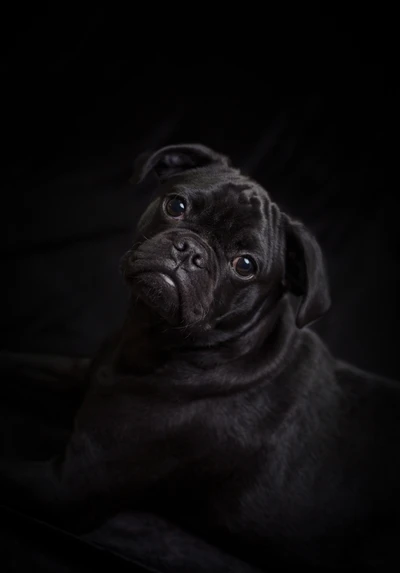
<point>215,403</point>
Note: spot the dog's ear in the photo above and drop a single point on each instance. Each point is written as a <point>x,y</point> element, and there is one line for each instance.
<point>173,159</point>
<point>305,274</point>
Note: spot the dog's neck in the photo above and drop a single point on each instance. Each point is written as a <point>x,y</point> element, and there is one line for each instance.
<point>143,342</point>
<point>147,342</point>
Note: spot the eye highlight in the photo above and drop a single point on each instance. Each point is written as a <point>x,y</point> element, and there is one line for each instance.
<point>175,207</point>
<point>244,266</point>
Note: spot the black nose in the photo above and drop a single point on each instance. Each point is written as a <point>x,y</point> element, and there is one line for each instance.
<point>189,251</point>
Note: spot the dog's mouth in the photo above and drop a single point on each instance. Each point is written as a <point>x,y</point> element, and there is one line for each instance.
<point>168,280</point>
<point>176,292</point>
<point>158,290</point>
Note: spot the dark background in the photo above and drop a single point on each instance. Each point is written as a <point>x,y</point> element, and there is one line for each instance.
<point>307,107</point>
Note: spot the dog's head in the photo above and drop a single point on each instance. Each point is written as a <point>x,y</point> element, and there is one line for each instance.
<point>212,251</point>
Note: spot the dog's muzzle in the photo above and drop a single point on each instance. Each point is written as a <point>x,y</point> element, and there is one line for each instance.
<point>172,272</point>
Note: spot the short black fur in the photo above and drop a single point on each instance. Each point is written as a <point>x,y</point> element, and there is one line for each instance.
<point>215,405</point>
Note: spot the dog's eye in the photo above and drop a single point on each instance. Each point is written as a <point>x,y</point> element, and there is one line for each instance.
<point>244,266</point>
<point>175,207</point>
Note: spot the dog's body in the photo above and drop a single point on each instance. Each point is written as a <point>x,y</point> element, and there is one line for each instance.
<point>214,405</point>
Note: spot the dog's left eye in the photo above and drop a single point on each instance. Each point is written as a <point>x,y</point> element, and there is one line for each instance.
<point>175,207</point>
<point>244,266</point>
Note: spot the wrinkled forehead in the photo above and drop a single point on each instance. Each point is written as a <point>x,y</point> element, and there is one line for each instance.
<point>232,203</point>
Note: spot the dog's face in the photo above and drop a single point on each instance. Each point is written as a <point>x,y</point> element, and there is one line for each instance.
<point>212,251</point>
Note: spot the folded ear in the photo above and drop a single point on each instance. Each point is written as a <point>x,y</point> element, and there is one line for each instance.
<point>173,159</point>
<point>305,274</point>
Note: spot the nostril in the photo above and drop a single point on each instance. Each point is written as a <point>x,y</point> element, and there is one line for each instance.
<point>197,260</point>
<point>188,252</point>
<point>181,245</point>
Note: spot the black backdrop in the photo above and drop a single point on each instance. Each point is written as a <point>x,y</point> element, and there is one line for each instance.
<point>315,123</point>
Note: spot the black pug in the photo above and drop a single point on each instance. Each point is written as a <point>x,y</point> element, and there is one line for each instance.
<point>214,404</point>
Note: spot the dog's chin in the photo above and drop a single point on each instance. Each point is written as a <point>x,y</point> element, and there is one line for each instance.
<point>168,298</point>
<point>158,291</point>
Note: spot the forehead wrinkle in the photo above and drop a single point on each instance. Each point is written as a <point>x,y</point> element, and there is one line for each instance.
<point>209,195</point>
<point>237,218</point>
<point>269,234</point>
<point>273,232</point>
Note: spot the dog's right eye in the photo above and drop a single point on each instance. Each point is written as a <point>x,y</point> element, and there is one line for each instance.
<point>244,266</point>
<point>175,207</point>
